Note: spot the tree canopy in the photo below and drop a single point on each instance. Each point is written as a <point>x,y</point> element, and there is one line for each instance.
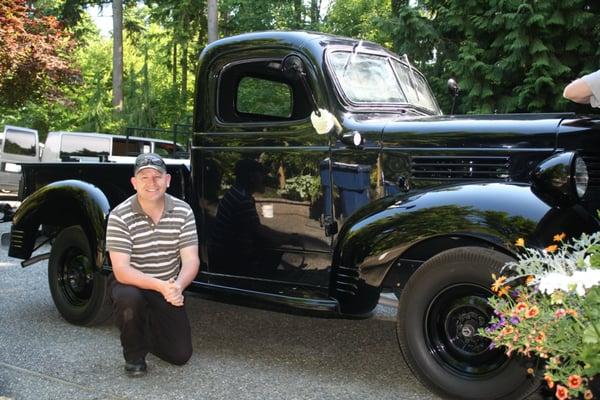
<point>35,53</point>
<point>507,55</point>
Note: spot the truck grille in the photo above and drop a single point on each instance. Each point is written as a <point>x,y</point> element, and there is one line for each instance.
<point>593,166</point>
<point>459,167</point>
<point>346,281</point>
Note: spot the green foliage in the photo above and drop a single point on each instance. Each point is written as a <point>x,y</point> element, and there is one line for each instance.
<point>258,96</point>
<point>302,187</point>
<point>508,55</point>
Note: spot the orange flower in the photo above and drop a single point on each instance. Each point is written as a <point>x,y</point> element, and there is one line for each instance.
<point>559,237</point>
<point>497,283</point>
<point>588,395</point>
<point>520,308</point>
<point>503,291</point>
<point>520,242</point>
<point>507,330</point>
<point>529,279</point>
<point>532,312</point>
<point>549,381</point>
<point>571,312</point>
<point>562,392</point>
<point>552,248</point>
<point>574,381</point>
<point>540,337</point>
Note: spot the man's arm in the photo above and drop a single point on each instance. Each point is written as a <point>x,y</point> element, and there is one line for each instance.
<point>127,275</point>
<point>578,91</point>
<point>190,264</point>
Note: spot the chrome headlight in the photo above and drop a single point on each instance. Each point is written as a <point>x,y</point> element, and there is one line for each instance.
<point>561,179</point>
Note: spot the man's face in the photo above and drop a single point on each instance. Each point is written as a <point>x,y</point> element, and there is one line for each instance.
<point>150,184</point>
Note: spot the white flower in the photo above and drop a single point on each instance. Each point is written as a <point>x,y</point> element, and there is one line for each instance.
<point>579,281</point>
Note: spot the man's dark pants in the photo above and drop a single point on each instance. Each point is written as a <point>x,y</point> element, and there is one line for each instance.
<point>149,324</point>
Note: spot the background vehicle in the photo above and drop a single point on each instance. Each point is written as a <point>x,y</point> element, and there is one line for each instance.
<point>21,145</point>
<point>361,185</point>
<point>80,146</point>
<point>17,145</point>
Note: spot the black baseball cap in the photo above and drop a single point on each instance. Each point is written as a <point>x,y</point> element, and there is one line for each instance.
<point>149,160</point>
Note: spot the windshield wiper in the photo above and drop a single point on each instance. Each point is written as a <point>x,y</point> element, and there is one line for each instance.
<point>350,59</point>
<point>411,75</point>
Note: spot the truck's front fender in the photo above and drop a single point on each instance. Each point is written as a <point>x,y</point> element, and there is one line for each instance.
<point>61,204</point>
<point>414,227</point>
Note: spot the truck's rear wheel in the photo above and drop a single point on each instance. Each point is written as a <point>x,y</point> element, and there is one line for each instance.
<point>440,310</point>
<point>77,286</point>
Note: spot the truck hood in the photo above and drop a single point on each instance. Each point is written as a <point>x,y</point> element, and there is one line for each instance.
<point>507,131</point>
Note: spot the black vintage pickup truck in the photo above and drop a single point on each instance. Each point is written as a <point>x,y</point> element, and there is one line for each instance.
<point>361,186</point>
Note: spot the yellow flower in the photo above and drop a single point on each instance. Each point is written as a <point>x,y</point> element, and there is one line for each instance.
<point>497,283</point>
<point>559,237</point>
<point>520,242</point>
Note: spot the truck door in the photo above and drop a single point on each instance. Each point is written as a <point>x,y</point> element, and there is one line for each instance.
<point>262,165</point>
<point>362,79</point>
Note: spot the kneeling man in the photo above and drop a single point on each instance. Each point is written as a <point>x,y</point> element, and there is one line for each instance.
<point>153,247</point>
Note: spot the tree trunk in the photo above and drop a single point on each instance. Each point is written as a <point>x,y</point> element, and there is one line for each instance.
<point>213,27</point>
<point>314,13</point>
<point>117,76</point>
<point>298,14</point>
<point>184,71</point>
<point>174,65</point>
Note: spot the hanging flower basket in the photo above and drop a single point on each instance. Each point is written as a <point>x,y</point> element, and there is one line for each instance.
<point>547,306</point>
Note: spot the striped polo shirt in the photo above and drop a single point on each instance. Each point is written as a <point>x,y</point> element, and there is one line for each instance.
<point>153,249</point>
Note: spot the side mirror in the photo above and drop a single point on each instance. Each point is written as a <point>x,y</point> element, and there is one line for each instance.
<point>292,68</point>
<point>453,90</point>
<point>41,147</point>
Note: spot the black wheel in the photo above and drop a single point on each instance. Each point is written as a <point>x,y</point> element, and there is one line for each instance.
<point>77,286</point>
<point>440,310</point>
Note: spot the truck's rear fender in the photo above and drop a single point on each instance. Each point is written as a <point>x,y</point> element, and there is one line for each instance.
<point>383,243</point>
<point>61,204</point>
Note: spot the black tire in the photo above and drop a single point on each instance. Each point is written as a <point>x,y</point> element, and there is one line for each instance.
<point>78,288</point>
<point>440,310</point>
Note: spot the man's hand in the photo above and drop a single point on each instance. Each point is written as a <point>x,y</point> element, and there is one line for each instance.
<point>173,292</point>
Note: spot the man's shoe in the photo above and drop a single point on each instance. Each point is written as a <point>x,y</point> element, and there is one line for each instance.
<point>135,368</point>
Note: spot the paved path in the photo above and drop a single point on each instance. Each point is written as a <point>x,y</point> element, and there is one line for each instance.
<point>240,353</point>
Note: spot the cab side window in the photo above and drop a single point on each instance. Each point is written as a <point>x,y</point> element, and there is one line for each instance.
<point>75,146</point>
<point>124,147</point>
<point>258,91</point>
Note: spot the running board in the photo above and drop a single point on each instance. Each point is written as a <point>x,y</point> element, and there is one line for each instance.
<point>326,305</point>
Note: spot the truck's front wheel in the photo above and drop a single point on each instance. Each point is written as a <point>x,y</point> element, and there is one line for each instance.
<point>77,286</point>
<point>440,310</point>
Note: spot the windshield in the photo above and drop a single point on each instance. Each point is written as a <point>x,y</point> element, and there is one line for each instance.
<point>369,78</point>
